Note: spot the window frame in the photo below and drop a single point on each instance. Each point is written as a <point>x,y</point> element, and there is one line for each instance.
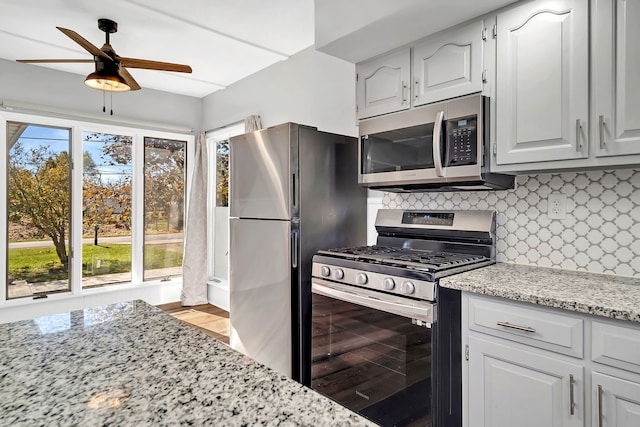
<point>77,127</point>
<point>211,140</point>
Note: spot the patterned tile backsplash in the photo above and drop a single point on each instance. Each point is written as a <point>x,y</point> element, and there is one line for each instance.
<point>600,234</point>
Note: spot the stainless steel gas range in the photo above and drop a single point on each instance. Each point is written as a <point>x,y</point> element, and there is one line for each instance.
<point>385,337</point>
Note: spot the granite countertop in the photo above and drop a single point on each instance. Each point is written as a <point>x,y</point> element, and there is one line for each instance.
<point>132,364</point>
<point>598,294</point>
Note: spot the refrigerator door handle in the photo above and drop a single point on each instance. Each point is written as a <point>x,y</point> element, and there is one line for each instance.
<point>294,197</point>
<point>294,248</point>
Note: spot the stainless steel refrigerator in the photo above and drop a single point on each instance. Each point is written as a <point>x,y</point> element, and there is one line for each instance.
<point>293,190</point>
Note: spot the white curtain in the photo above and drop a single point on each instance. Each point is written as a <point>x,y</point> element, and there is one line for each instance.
<point>252,123</point>
<point>194,264</point>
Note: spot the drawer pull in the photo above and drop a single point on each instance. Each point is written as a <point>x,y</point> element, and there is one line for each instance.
<point>516,327</point>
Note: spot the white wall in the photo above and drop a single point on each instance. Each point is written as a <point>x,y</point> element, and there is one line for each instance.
<point>65,92</point>
<point>309,88</point>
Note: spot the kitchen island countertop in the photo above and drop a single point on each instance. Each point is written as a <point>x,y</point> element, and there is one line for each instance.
<point>132,364</point>
<point>597,294</point>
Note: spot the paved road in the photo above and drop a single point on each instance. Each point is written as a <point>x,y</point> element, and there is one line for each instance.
<point>155,238</point>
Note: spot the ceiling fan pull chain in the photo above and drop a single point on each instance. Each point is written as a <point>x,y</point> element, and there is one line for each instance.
<point>104,107</point>
<point>111,103</point>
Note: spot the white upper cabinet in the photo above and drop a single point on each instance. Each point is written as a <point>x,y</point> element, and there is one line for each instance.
<point>382,84</point>
<point>448,64</point>
<point>616,80</point>
<point>542,88</point>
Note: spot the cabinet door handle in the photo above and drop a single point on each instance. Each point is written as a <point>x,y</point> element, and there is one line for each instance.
<point>516,327</point>
<point>602,125</point>
<point>417,89</point>
<point>404,92</point>
<point>578,131</point>
<point>600,406</point>
<point>572,404</point>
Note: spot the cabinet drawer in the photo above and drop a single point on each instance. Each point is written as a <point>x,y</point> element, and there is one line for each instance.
<point>531,326</point>
<point>616,346</point>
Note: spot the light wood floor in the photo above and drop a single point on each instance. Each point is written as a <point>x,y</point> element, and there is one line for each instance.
<point>210,319</point>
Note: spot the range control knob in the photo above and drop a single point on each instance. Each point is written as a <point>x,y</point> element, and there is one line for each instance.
<point>388,283</point>
<point>338,274</point>
<point>407,288</point>
<point>325,271</point>
<point>361,279</point>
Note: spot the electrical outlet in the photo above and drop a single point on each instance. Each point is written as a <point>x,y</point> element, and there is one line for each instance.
<point>557,206</point>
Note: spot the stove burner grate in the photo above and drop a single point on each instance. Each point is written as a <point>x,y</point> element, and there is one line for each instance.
<point>403,257</point>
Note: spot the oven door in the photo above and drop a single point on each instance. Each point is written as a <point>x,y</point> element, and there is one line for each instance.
<point>372,352</point>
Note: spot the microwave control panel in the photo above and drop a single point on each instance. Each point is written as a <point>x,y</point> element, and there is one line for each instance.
<point>462,141</point>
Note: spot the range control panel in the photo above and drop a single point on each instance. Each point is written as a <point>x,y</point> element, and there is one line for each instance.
<point>462,141</point>
<point>428,218</point>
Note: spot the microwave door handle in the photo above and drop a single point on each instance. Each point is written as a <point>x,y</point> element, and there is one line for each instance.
<point>437,132</point>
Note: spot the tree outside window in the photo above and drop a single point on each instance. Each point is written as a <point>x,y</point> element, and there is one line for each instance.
<point>38,209</point>
<point>164,197</point>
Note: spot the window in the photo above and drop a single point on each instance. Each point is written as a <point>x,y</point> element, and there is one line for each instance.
<point>38,209</point>
<point>164,196</point>
<point>107,171</point>
<point>89,205</point>
<point>218,199</point>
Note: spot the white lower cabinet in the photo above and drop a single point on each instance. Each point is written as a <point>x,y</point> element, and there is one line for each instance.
<point>519,371</point>
<point>615,401</point>
<point>511,386</point>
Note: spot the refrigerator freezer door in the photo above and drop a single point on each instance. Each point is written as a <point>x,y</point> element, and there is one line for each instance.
<point>262,173</point>
<point>260,285</point>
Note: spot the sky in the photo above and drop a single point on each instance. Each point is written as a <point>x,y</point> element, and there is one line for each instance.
<point>57,139</point>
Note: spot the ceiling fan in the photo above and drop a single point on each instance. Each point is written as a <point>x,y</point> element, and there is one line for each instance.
<point>110,73</point>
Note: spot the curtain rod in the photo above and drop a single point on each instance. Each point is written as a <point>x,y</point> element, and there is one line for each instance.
<point>61,113</point>
<point>228,125</point>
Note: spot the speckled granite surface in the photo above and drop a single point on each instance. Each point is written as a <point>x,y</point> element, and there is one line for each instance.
<point>131,364</point>
<point>598,294</point>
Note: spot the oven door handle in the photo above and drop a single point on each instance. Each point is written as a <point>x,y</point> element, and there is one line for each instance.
<point>405,307</point>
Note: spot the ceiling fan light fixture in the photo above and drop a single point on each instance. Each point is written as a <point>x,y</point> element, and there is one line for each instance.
<point>105,81</point>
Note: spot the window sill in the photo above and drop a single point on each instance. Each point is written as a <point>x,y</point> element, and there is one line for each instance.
<point>154,292</point>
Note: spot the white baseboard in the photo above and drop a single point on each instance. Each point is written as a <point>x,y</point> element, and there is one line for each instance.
<point>218,294</point>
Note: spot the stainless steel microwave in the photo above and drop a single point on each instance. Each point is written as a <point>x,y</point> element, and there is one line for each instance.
<point>437,147</point>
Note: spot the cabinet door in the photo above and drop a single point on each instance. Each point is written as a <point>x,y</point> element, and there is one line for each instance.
<point>542,82</point>
<point>513,387</point>
<point>615,402</point>
<point>616,81</point>
<point>382,85</point>
<point>448,64</point>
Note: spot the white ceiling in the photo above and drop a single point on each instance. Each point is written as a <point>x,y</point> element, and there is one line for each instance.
<point>222,40</point>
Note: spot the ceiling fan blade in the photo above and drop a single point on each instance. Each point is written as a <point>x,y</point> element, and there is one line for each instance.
<point>84,43</point>
<point>153,65</point>
<point>133,84</point>
<point>33,61</point>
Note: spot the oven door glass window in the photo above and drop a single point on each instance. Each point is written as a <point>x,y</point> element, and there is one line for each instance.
<point>374,363</point>
<point>398,150</point>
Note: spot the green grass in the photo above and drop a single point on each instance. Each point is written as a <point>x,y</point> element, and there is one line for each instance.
<point>160,258</point>
<point>37,265</point>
